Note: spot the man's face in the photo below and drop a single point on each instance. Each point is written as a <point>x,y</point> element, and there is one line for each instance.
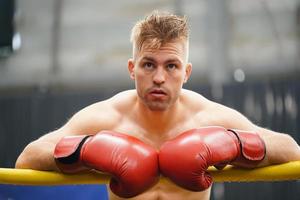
<point>159,74</point>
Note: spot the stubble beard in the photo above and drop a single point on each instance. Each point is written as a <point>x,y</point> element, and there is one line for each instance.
<point>157,105</point>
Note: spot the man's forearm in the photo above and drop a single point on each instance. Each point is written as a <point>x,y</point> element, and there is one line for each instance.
<point>281,148</point>
<point>38,156</point>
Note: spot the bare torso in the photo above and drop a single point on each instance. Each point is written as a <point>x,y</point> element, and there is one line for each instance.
<point>129,123</point>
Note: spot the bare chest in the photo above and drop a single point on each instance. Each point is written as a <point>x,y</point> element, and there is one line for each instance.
<point>154,136</point>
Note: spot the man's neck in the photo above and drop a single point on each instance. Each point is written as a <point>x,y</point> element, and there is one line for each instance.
<point>158,120</point>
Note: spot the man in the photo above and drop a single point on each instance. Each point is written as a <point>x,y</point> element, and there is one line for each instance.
<point>158,128</point>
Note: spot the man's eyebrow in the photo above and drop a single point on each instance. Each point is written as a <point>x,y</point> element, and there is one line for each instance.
<point>173,60</point>
<point>148,59</point>
<point>167,61</point>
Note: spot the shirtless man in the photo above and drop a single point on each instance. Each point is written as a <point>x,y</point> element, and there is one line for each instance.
<point>146,126</point>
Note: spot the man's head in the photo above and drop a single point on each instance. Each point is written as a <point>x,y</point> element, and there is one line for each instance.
<point>160,53</point>
<point>157,29</point>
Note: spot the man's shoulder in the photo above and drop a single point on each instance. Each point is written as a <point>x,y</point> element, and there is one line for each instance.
<point>215,114</point>
<point>114,102</point>
<point>200,104</point>
<point>193,98</point>
<point>114,106</point>
<point>124,95</point>
<point>123,100</point>
<point>187,92</point>
<point>105,114</point>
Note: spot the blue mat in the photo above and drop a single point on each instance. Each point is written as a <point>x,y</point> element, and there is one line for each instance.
<point>72,192</point>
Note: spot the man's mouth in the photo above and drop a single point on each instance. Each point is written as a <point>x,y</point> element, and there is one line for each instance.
<point>157,92</point>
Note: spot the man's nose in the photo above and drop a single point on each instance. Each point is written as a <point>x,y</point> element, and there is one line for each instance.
<point>159,76</point>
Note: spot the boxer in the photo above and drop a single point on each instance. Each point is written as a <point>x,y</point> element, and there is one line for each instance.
<point>158,125</point>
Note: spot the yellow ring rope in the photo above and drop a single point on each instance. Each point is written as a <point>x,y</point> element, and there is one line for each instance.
<point>282,172</point>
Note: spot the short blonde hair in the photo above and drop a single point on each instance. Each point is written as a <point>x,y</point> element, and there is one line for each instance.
<point>157,29</point>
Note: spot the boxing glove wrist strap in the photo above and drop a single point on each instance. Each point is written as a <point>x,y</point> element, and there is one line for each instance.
<point>252,148</point>
<point>67,154</point>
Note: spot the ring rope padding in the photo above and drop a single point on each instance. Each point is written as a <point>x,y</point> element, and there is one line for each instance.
<point>280,172</point>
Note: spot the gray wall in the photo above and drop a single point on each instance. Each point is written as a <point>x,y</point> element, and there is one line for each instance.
<point>73,43</point>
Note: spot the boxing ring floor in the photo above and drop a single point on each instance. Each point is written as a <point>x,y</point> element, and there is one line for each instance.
<point>33,184</point>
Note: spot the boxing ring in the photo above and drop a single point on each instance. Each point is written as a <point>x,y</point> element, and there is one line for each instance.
<point>281,172</point>
<point>26,177</point>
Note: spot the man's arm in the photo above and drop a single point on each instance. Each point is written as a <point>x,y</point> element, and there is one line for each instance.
<point>280,147</point>
<point>39,153</point>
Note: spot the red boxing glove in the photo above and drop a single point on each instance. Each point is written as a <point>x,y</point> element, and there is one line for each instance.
<point>132,164</point>
<point>185,159</point>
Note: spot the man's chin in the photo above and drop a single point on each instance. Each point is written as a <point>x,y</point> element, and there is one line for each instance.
<point>157,107</point>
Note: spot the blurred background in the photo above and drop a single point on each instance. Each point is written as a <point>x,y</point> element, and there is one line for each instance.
<point>58,56</point>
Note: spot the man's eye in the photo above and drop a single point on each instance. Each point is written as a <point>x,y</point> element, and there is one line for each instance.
<point>148,65</point>
<point>171,66</point>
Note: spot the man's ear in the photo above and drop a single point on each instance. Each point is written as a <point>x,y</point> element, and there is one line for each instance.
<point>130,66</point>
<point>188,72</point>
